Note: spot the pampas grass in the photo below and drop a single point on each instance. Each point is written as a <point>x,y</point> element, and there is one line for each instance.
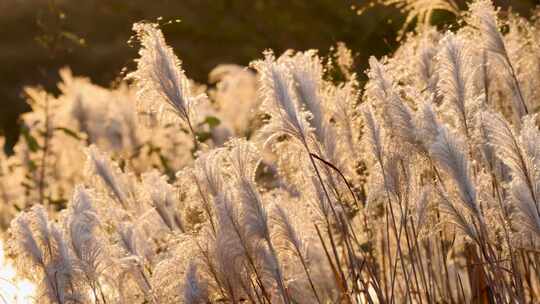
<point>420,186</point>
<point>160,80</point>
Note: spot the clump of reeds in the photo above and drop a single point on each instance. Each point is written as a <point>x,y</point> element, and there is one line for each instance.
<point>421,187</point>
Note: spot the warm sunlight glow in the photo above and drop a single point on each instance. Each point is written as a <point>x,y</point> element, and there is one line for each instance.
<point>13,290</point>
<point>297,174</point>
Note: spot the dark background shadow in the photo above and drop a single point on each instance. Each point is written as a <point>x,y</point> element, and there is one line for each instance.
<point>90,36</point>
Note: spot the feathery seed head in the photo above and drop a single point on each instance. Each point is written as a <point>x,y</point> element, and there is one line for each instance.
<point>280,100</point>
<point>160,81</point>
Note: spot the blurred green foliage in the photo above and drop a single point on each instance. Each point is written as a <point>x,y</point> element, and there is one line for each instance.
<point>40,36</point>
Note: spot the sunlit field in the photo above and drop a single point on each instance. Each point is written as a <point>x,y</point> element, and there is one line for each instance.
<point>12,288</point>
<point>295,179</point>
